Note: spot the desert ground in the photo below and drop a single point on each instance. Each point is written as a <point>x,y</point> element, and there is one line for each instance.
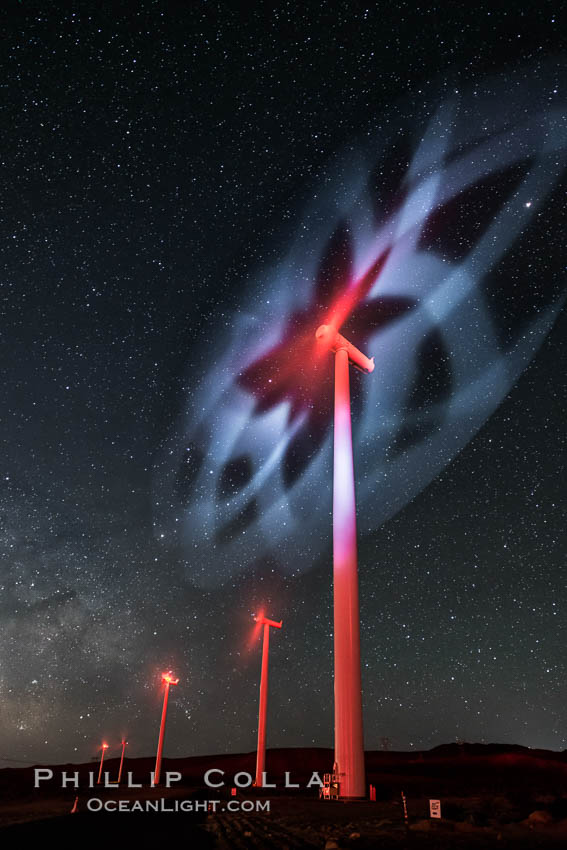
<point>491,796</point>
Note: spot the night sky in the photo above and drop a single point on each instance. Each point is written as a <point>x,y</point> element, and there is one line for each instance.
<point>158,160</point>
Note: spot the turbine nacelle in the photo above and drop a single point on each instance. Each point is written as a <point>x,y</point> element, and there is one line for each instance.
<point>327,336</point>
<point>263,621</point>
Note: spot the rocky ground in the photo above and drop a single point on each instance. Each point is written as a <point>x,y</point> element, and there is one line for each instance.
<point>300,823</point>
<point>490,797</point>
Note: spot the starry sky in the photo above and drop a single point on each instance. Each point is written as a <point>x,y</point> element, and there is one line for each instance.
<point>157,165</point>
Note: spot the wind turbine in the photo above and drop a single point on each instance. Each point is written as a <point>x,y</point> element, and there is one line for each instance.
<point>121,762</point>
<point>169,680</point>
<point>295,365</point>
<point>117,781</point>
<point>261,752</point>
<point>349,746</point>
<point>104,749</point>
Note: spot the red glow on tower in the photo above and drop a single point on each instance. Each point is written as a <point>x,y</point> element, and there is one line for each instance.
<point>254,635</point>
<point>168,680</point>
<point>291,370</point>
<point>294,370</point>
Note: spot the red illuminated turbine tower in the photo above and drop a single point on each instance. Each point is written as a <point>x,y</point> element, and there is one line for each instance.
<point>349,745</point>
<point>124,743</point>
<point>261,751</point>
<point>169,680</point>
<point>104,749</point>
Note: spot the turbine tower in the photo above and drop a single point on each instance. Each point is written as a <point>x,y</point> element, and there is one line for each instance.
<point>124,743</point>
<point>261,752</point>
<point>169,680</point>
<point>349,745</point>
<point>104,749</point>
